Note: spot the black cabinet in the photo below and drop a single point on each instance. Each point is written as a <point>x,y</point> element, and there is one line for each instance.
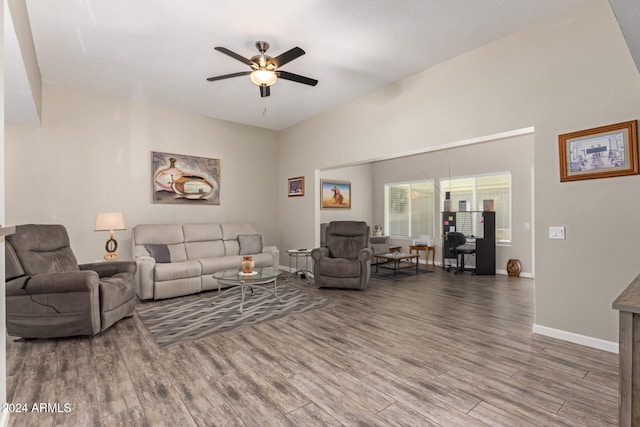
<point>478,226</point>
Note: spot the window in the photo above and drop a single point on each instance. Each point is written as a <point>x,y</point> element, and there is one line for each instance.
<point>409,209</point>
<point>474,190</point>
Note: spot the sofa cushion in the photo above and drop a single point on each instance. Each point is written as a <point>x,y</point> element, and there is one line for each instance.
<point>232,230</point>
<point>196,250</point>
<point>213,265</point>
<point>177,252</point>
<point>168,234</point>
<point>158,233</point>
<point>202,232</point>
<point>231,247</point>
<point>159,252</point>
<point>250,244</point>
<point>177,270</point>
<point>338,267</point>
<point>43,249</point>
<point>345,239</point>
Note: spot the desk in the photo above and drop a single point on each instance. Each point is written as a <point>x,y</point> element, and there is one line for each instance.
<point>426,250</point>
<point>628,305</point>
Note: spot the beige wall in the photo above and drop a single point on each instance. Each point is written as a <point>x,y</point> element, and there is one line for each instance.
<point>568,73</point>
<point>513,154</point>
<point>361,178</point>
<point>93,153</point>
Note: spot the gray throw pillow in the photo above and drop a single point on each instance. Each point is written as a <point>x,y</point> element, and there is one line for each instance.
<point>250,244</point>
<point>159,252</point>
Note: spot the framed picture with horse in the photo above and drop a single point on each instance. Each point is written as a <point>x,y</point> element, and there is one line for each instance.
<point>335,194</point>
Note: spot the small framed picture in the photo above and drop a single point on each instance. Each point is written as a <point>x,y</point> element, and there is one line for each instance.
<point>601,152</point>
<point>296,186</point>
<point>335,194</point>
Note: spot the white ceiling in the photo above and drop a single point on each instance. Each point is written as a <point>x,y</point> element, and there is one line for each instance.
<point>161,51</point>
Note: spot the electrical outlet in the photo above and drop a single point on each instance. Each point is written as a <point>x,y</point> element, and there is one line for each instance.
<point>556,232</point>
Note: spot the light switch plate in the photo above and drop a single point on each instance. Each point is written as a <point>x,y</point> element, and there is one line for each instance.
<point>556,232</point>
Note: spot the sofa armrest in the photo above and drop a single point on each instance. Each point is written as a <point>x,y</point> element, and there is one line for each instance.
<point>54,283</point>
<point>365,254</point>
<point>318,253</point>
<point>110,268</point>
<point>275,253</point>
<point>53,305</point>
<point>145,276</point>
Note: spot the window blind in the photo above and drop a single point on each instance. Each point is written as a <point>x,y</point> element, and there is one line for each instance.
<point>474,190</point>
<point>409,209</point>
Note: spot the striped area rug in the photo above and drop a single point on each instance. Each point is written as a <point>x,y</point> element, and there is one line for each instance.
<point>191,318</point>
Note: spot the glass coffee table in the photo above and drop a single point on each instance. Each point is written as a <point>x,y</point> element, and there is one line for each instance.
<point>260,276</point>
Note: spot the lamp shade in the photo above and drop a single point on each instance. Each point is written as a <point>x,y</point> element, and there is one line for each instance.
<point>263,77</point>
<point>107,221</point>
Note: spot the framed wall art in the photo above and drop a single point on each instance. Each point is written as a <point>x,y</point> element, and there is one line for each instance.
<point>601,152</point>
<point>335,194</point>
<point>181,179</point>
<point>295,186</point>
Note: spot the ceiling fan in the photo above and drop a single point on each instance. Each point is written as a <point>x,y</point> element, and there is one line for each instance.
<point>265,70</point>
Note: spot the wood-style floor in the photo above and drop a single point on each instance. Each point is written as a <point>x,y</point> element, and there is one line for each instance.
<point>431,350</point>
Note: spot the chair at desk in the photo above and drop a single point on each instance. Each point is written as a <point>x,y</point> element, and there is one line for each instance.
<point>458,245</point>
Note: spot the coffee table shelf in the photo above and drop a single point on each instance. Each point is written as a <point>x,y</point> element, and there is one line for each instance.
<point>398,260</point>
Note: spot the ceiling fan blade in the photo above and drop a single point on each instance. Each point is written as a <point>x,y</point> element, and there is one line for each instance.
<point>228,76</point>
<point>297,78</point>
<point>265,91</point>
<point>234,55</point>
<point>288,56</point>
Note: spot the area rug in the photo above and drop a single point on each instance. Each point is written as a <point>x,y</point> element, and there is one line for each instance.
<point>192,318</point>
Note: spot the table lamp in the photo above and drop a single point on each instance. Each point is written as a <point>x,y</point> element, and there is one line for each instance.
<point>109,221</point>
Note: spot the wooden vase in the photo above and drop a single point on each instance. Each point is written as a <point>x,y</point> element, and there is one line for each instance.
<point>514,268</point>
<point>247,264</point>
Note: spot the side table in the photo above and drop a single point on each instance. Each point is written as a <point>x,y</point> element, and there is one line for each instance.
<point>303,269</point>
<point>426,250</point>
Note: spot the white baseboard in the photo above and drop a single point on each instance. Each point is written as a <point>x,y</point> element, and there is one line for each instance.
<point>498,271</point>
<point>505,273</point>
<point>576,338</point>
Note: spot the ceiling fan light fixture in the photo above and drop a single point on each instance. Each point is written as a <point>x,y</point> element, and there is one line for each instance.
<point>263,77</point>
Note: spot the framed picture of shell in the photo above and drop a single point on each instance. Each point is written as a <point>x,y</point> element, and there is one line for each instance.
<point>182,179</point>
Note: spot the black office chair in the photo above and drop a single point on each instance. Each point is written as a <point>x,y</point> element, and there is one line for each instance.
<point>458,245</point>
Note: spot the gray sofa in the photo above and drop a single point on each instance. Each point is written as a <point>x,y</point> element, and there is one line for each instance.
<point>49,295</point>
<point>180,259</point>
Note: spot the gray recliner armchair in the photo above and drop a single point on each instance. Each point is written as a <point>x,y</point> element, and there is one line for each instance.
<point>379,245</point>
<point>345,260</point>
<point>49,295</point>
